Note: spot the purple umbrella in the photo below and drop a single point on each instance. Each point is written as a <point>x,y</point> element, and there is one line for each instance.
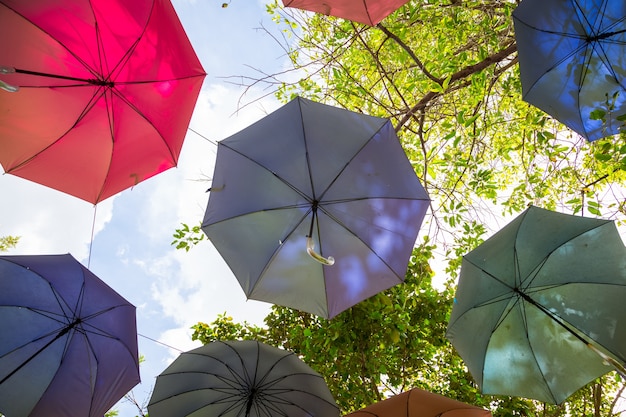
<point>69,342</point>
<point>312,179</point>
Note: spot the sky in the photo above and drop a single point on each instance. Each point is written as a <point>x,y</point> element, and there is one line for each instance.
<point>132,231</point>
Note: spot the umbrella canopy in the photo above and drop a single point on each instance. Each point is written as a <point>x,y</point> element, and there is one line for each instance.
<point>69,342</point>
<point>312,178</point>
<point>540,306</point>
<point>240,379</point>
<point>420,403</point>
<point>103,92</point>
<point>572,59</point>
<point>369,12</point>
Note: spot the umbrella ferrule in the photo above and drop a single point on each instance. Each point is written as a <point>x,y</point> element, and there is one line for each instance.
<point>103,83</point>
<point>251,399</point>
<point>604,35</point>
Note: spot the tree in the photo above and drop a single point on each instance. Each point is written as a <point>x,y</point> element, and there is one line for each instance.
<point>445,73</point>
<point>8,242</point>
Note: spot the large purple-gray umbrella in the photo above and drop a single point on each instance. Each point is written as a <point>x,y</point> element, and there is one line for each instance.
<point>69,342</point>
<point>313,179</point>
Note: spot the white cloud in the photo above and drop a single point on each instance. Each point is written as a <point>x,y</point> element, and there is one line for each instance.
<point>48,221</point>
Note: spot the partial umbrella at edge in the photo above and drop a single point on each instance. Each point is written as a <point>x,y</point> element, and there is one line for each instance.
<point>539,311</point>
<point>312,179</point>
<point>420,403</point>
<point>244,378</point>
<point>572,58</point>
<point>69,342</point>
<point>369,12</point>
<point>96,95</point>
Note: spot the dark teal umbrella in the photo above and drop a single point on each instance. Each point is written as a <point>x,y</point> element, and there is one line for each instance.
<point>242,378</point>
<point>539,311</point>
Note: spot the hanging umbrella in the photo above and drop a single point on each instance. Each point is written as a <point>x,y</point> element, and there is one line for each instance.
<point>420,403</point>
<point>369,12</point>
<point>69,342</point>
<point>572,62</point>
<point>539,310</point>
<point>240,379</point>
<point>311,178</point>
<point>96,95</point>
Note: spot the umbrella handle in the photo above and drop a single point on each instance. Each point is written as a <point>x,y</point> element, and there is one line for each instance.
<point>609,360</point>
<point>310,248</point>
<point>5,86</point>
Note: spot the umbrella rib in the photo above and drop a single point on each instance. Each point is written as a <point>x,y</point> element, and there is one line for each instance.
<point>367,12</point>
<point>287,207</point>
<point>97,94</point>
<point>287,183</point>
<point>275,253</point>
<point>569,239</point>
<point>530,345</point>
<point>352,159</point>
<point>33,340</point>
<point>347,229</point>
<point>62,332</point>
<point>306,155</point>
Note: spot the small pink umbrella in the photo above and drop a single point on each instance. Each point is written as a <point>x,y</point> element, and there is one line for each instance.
<point>369,12</point>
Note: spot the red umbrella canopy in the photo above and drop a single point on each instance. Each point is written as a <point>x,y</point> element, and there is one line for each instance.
<point>370,12</point>
<point>95,95</point>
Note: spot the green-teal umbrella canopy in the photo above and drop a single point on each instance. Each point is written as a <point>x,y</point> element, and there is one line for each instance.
<point>539,311</point>
<point>243,378</point>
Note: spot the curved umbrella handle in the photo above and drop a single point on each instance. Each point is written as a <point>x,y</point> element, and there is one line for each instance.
<point>5,86</point>
<point>609,360</point>
<point>310,248</point>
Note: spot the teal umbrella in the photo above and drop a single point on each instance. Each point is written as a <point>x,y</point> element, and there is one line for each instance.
<point>539,311</point>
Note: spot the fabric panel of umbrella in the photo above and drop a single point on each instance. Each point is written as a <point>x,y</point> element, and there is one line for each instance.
<point>420,403</point>
<point>539,311</point>
<point>572,62</point>
<point>369,12</point>
<point>69,342</point>
<point>240,379</point>
<point>103,92</point>
<point>312,178</point>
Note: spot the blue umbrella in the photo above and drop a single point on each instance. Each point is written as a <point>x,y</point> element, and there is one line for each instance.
<point>69,342</point>
<point>573,61</point>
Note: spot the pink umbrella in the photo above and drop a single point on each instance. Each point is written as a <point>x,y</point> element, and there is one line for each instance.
<point>95,95</point>
<point>370,12</point>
